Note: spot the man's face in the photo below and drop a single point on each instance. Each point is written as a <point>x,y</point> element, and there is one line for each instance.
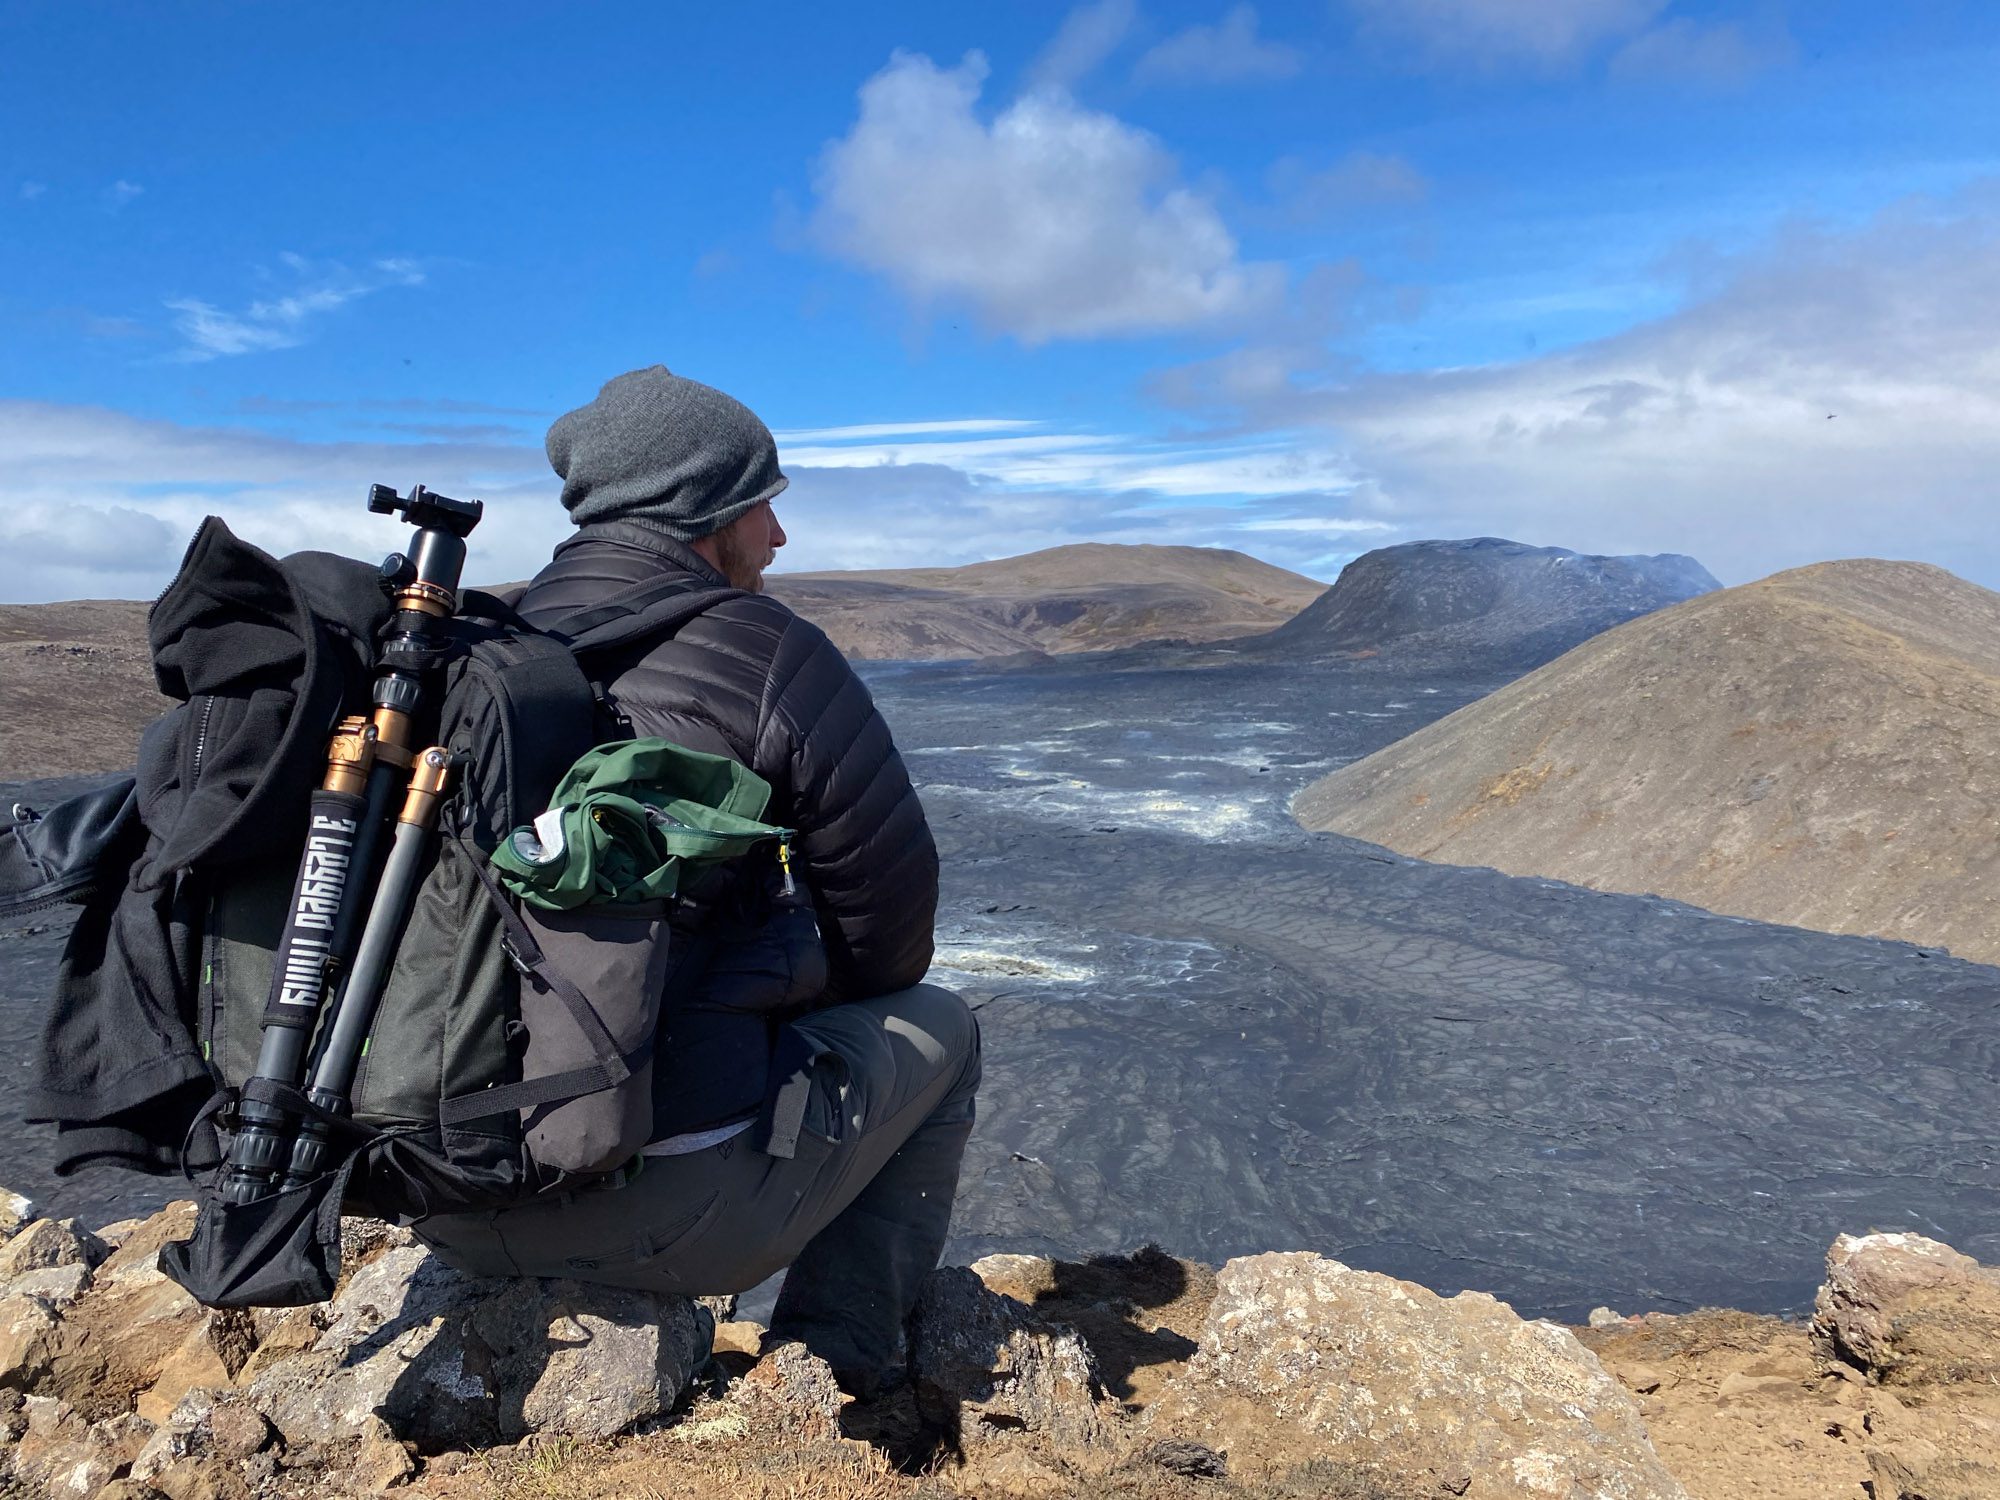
<point>744,548</point>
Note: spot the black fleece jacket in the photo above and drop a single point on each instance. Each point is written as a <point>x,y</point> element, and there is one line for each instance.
<point>750,680</point>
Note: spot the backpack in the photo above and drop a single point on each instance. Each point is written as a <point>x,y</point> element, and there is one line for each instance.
<point>509,1053</point>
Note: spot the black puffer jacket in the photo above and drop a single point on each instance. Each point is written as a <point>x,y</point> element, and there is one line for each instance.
<point>752,681</point>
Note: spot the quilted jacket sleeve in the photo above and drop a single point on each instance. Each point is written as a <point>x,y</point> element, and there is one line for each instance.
<point>865,847</point>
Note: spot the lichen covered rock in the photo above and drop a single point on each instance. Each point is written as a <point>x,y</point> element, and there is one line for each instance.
<point>17,1211</point>
<point>1305,1359</point>
<point>798,1387</point>
<point>451,1361</point>
<point>49,1242</point>
<point>986,1367</point>
<point>1903,1308</point>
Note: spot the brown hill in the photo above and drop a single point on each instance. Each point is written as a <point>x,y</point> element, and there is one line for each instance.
<point>76,687</point>
<point>1817,749</point>
<point>1093,596</point>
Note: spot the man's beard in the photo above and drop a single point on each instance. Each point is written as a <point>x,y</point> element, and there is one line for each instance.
<point>741,563</point>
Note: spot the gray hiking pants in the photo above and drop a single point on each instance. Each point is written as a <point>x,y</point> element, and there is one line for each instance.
<point>859,1212</point>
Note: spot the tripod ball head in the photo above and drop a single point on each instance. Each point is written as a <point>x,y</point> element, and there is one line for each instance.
<point>426,509</point>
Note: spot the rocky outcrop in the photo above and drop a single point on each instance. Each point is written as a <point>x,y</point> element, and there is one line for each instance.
<point>1029,1377</point>
<point>452,1361</point>
<point>798,1387</point>
<point>120,1374</point>
<point>16,1212</point>
<point>986,1367</point>
<point>1906,1310</point>
<point>47,1244</point>
<point>60,1452</point>
<point>1303,1355</point>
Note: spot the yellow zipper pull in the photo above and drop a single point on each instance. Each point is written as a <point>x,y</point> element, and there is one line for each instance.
<point>785,863</point>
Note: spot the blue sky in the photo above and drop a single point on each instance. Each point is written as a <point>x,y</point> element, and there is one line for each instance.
<point>1619,275</point>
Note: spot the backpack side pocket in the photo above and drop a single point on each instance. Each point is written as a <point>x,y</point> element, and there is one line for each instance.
<point>616,960</point>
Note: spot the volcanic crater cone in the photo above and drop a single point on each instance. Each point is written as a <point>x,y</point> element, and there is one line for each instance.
<point>1821,748</point>
<point>1481,602</point>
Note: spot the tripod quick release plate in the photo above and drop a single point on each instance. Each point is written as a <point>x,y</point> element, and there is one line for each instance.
<point>427,509</point>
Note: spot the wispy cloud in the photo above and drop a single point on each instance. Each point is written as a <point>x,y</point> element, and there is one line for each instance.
<point>100,502</point>
<point>267,405</point>
<point>1230,51</point>
<point>1721,54</point>
<point>30,191</point>
<point>1309,525</point>
<point>1049,220</point>
<point>1264,465</point>
<point>1490,34</point>
<point>1087,37</point>
<point>899,429</point>
<point>1643,41</point>
<point>456,432</point>
<point>1358,180</point>
<point>1835,394</point>
<point>929,515</point>
<point>119,194</point>
<point>283,321</point>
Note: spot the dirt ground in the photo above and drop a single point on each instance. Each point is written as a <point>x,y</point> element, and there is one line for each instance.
<point>1739,1409</point>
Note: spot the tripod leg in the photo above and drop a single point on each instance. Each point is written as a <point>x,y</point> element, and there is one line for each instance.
<point>351,1016</point>
<point>326,884</point>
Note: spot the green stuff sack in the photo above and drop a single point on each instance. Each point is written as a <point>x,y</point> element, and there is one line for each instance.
<point>627,821</point>
<point>594,878</point>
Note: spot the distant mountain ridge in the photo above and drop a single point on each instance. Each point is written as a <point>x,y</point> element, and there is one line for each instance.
<point>1813,749</point>
<point>1483,602</point>
<point>76,681</point>
<point>1090,596</point>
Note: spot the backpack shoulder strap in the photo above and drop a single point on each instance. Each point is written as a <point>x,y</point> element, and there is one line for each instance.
<point>653,609</point>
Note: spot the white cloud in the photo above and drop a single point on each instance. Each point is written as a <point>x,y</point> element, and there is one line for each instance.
<point>1544,34</point>
<point>1111,463</point>
<point>900,429</point>
<point>1323,525</point>
<point>1835,395</point>
<point>1050,221</point>
<point>931,515</point>
<point>99,503</point>
<point>211,333</point>
<point>1088,35</point>
<point>1228,52</point>
<point>119,194</point>
<point>282,321</point>
<point>1720,53</point>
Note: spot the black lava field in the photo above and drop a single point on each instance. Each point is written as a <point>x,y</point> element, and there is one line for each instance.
<point>1207,1028</point>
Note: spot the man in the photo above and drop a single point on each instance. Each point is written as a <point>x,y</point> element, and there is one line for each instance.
<point>812,1099</point>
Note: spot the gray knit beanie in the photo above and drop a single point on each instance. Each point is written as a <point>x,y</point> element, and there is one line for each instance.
<point>654,447</point>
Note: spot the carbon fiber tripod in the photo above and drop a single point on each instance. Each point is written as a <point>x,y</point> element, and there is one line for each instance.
<point>346,918</point>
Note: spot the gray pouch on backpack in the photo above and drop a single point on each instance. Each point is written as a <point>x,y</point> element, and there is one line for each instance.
<point>591,881</point>
<point>617,958</point>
